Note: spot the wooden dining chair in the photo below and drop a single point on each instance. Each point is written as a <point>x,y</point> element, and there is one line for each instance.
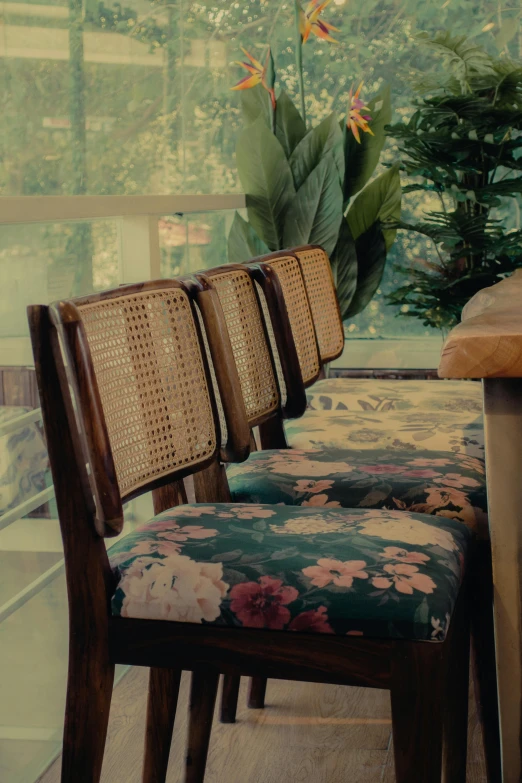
<point>128,406</point>
<point>316,293</point>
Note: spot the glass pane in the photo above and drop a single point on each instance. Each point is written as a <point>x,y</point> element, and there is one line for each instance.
<point>195,241</point>
<point>47,261</point>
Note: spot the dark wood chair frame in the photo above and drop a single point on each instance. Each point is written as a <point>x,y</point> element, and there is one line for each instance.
<point>272,435</point>
<point>428,681</point>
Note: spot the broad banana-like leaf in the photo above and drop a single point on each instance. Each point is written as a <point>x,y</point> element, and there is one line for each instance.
<point>315,214</point>
<point>362,159</point>
<point>325,137</point>
<point>267,181</point>
<point>290,126</point>
<point>379,201</point>
<point>371,260</point>
<point>344,267</point>
<point>254,102</point>
<point>243,242</point>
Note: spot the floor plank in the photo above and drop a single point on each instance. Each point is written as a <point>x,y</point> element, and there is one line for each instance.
<point>306,734</point>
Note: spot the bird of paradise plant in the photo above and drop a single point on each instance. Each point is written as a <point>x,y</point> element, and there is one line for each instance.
<point>310,186</point>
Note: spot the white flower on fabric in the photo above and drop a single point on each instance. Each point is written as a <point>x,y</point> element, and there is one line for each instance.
<point>174,588</point>
<point>408,531</point>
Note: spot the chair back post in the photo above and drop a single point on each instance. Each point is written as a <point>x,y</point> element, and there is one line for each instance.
<point>237,446</point>
<point>283,284</point>
<point>264,275</point>
<point>88,574</point>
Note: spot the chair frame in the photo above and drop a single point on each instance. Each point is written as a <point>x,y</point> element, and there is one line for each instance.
<point>272,436</point>
<point>425,712</point>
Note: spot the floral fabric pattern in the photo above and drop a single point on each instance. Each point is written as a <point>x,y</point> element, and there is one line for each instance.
<point>444,484</point>
<point>377,573</point>
<point>395,431</point>
<point>24,463</point>
<point>370,394</point>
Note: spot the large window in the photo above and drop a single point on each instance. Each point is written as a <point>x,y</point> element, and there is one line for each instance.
<point>133,98</point>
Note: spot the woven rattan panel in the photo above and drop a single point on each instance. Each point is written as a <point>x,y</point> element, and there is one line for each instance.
<point>251,352</point>
<point>323,301</point>
<point>152,384</point>
<point>273,343</point>
<point>294,292</point>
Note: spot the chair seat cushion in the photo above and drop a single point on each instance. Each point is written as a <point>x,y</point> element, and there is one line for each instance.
<point>384,574</point>
<point>402,431</point>
<point>371,394</point>
<point>446,484</point>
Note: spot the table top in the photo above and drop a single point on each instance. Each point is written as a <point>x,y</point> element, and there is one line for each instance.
<point>488,342</point>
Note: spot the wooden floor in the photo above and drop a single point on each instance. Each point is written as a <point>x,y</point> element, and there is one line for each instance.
<point>306,734</point>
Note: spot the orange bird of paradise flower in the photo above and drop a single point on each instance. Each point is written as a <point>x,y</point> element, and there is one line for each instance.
<point>257,75</point>
<point>355,119</point>
<point>309,22</point>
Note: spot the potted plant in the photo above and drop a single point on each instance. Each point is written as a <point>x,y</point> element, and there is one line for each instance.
<point>311,185</point>
<point>463,147</point>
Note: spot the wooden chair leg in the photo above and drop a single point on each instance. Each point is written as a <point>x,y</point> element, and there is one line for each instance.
<point>455,708</point>
<point>88,701</point>
<point>256,693</point>
<point>416,701</point>
<point>484,658</point>
<point>229,696</point>
<point>201,712</point>
<point>161,711</point>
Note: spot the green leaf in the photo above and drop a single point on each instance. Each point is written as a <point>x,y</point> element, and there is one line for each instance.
<point>325,137</point>
<point>380,200</point>
<point>266,180</point>
<point>315,214</point>
<point>464,58</point>
<point>371,260</point>
<point>243,242</point>
<point>255,101</point>
<point>290,127</point>
<point>344,267</point>
<point>361,159</point>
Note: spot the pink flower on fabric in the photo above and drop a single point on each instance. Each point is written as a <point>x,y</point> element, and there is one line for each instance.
<point>321,500</point>
<point>262,604</point>
<point>396,553</point>
<point>189,531</point>
<point>380,469</point>
<point>456,480</point>
<point>442,496</point>
<point>315,620</point>
<point>170,521</point>
<point>341,574</point>
<point>309,485</point>
<point>406,579</point>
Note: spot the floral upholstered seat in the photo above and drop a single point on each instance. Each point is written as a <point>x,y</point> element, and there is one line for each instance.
<point>442,483</point>
<point>396,431</point>
<point>371,394</point>
<point>382,574</point>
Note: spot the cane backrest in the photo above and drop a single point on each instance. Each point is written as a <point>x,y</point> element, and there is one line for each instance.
<point>144,398</point>
<point>320,286</point>
<point>249,340</point>
<point>288,272</point>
